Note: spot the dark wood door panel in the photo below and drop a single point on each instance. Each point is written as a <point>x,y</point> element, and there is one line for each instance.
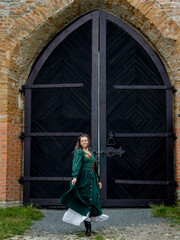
<point>136,107</point>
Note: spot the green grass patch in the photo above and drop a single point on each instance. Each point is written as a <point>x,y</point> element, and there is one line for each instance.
<point>163,211</point>
<point>93,235</point>
<point>16,220</point>
<point>100,238</point>
<point>81,235</point>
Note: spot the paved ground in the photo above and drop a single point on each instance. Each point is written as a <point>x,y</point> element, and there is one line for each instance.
<point>123,224</point>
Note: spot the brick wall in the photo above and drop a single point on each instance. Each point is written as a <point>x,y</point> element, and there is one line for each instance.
<point>27,25</point>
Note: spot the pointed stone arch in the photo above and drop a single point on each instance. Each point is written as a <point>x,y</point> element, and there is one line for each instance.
<point>31,30</point>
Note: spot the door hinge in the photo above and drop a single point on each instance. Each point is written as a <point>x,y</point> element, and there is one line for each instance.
<point>21,180</point>
<point>22,90</point>
<point>22,136</point>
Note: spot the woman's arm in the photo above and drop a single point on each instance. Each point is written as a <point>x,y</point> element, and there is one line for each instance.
<point>77,163</point>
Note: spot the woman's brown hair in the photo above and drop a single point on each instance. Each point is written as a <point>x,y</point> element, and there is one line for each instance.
<point>78,144</point>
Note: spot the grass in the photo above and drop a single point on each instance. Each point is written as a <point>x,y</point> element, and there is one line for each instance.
<point>163,211</point>
<point>16,220</point>
<point>81,235</point>
<point>99,238</point>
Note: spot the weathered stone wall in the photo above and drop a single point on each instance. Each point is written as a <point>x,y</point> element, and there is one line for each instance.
<point>26,26</point>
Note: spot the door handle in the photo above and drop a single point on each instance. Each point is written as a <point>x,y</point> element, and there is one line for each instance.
<point>110,151</point>
<point>114,151</point>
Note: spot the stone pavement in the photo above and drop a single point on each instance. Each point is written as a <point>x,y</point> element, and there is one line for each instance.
<point>123,224</point>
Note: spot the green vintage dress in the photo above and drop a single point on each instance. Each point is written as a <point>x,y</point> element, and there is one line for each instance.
<point>84,195</point>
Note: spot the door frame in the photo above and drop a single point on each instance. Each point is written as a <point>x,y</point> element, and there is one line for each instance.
<point>99,26</point>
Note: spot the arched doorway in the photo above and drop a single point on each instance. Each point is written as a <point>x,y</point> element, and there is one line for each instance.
<point>98,76</point>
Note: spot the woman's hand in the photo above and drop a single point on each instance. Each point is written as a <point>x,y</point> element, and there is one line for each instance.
<point>74,181</point>
<point>100,185</point>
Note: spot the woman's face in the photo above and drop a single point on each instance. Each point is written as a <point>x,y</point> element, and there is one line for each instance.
<point>84,142</point>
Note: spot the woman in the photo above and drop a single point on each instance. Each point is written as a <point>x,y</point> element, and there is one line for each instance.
<point>83,197</point>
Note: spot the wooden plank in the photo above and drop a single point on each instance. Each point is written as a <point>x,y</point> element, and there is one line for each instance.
<point>54,43</point>
<point>94,83</point>
<point>103,132</point>
<point>132,202</point>
<point>152,54</point>
<point>27,145</point>
<point>169,145</point>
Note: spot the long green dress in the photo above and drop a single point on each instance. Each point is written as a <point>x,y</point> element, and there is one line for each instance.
<point>84,195</point>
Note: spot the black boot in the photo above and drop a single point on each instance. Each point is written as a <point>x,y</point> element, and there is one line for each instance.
<point>88,228</point>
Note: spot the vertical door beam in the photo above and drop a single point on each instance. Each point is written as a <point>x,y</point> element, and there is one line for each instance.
<point>27,145</point>
<point>94,83</point>
<point>103,103</point>
<point>169,146</point>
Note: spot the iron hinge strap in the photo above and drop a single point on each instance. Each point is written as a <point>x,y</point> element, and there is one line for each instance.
<point>174,89</point>
<point>145,87</point>
<point>22,136</point>
<point>56,85</point>
<point>22,90</point>
<point>42,179</point>
<point>145,182</point>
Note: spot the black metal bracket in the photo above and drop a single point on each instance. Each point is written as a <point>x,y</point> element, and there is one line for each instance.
<point>111,141</point>
<point>174,137</point>
<point>174,89</point>
<point>21,180</point>
<point>22,136</point>
<point>22,90</point>
<point>176,184</point>
<point>173,183</point>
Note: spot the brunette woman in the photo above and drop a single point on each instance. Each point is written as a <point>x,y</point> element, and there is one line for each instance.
<point>83,197</point>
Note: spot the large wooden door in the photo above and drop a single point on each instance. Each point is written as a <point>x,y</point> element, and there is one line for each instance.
<point>136,119</point>
<point>99,77</point>
<point>58,109</point>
